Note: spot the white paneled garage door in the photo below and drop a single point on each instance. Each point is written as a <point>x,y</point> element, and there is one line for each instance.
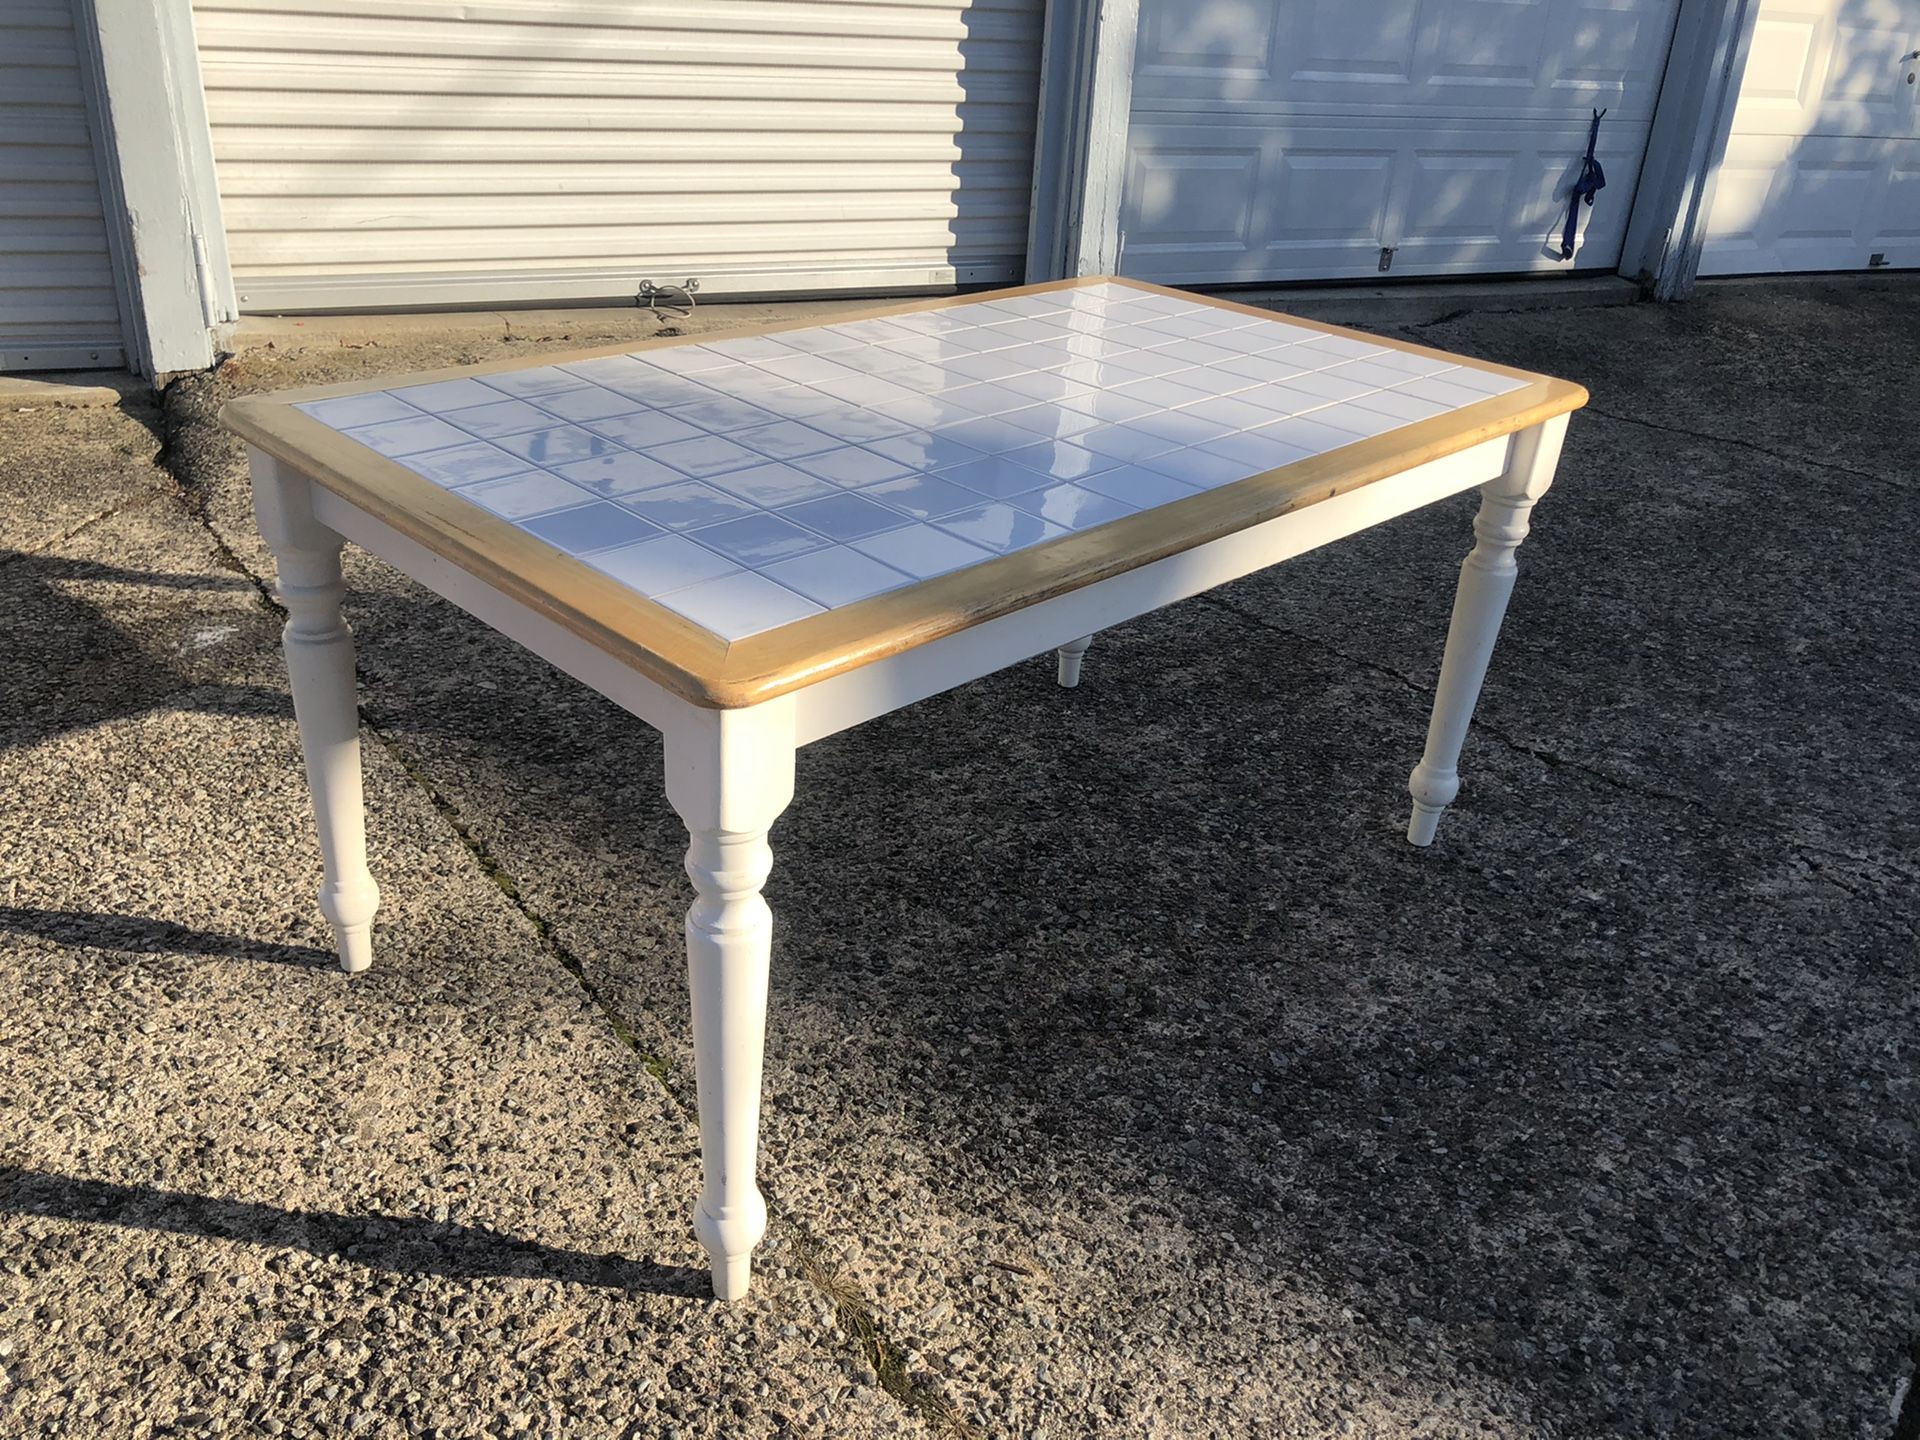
<point>1298,139</point>
<point>405,153</point>
<point>59,307</point>
<point>1822,170</point>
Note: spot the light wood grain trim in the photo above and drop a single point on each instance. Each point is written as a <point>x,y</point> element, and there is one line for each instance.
<point>704,669</point>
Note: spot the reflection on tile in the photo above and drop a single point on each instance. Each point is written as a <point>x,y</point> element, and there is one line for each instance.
<point>922,496</point>
<point>785,439</point>
<point>589,402</point>
<point>707,455</point>
<point>1197,467</point>
<point>445,395</point>
<point>542,380</point>
<point>519,496</point>
<point>997,476</point>
<point>738,605</point>
<point>845,515</point>
<point>558,445</point>
<point>990,436</point>
<point>999,526</point>
<point>684,505</point>
<point>408,437</point>
<point>921,551</point>
<point>1060,459</point>
<point>771,486</point>
<point>620,474</point>
<point>599,526</point>
<point>654,567</point>
<point>836,577</point>
<point>1140,488</point>
<point>851,465</point>
<point>464,464</point>
<point>351,410</point>
<point>756,541</point>
<point>1072,506</point>
<point>503,417</point>
<point>720,415</point>
<point>645,429</point>
<point>924,450</point>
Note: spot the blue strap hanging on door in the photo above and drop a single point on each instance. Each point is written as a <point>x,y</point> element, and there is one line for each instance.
<point>1591,182</point>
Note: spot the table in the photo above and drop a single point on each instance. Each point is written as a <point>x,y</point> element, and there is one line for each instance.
<point>754,540</point>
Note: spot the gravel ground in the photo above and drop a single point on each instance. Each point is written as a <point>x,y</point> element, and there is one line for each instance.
<point>1127,1076</point>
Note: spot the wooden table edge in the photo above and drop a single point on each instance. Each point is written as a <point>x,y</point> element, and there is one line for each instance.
<point>709,672</point>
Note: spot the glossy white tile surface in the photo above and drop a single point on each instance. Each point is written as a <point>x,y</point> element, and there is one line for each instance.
<point>750,482</point>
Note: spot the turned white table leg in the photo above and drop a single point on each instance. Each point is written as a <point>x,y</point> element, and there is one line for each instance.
<point>1071,654</point>
<point>729,775</point>
<point>319,650</point>
<point>1486,582</point>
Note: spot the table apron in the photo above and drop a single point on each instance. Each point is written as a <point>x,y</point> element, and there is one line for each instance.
<point>886,685</point>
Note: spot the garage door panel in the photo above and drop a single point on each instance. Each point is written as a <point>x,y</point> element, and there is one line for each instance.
<point>1448,58</point>
<point>1834,68</point>
<point>1784,203</point>
<point>1324,200</point>
<point>379,154</point>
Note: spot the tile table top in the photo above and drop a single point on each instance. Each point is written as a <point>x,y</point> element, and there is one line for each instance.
<point>744,484</point>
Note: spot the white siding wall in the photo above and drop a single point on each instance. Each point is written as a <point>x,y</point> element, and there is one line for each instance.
<point>58,305</point>
<point>400,153</point>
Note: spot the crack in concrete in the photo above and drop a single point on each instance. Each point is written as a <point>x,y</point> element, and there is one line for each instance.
<point>1556,760</point>
<point>80,527</point>
<point>1758,449</point>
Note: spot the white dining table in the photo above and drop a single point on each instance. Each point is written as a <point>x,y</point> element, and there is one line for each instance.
<point>755,539</point>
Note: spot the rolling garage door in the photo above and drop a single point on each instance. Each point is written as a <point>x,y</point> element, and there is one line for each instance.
<point>402,153</point>
<point>1822,170</point>
<point>59,308</point>
<point>1322,139</point>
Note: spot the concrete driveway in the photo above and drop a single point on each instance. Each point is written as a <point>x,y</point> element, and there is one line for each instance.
<point>1127,1074</point>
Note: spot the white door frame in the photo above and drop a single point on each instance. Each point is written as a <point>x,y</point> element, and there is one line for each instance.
<point>154,153</point>
<point>1086,93</point>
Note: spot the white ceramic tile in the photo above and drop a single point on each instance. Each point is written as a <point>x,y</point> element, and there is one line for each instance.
<point>353,410</point>
<point>654,567</point>
<point>772,485</point>
<point>558,445</point>
<point>445,395</point>
<point>851,465</point>
<point>923,450</point>
<point>645,429</point>
<point>503,417</point>
<point>721,415</point>
<point>541,380</point>
<point>589,402</point>
<point>738,605</point>
<point>1062,459</point>
<point>756,541</point>
<point>922,551</point>
<point>622,473</point>
<point>464,464</point>
<point>707,455</point>
<point>395,438</point>
<point>1142,489</point>
<point>998,420</point>
<point>999,527</point>
<point>925,497</point>
<point>686,505</point>
<point>846,515</point>
<point>996,476</point>
<point>836,577</point>
<point>602,525</point>
<point>519,496</point>
<point>1072,507</point>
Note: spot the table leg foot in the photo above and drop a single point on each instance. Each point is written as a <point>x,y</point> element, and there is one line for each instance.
<point>1479,605</point>
<point>1070,655</point>
<point>319,651</point>
<point>729,775</point>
